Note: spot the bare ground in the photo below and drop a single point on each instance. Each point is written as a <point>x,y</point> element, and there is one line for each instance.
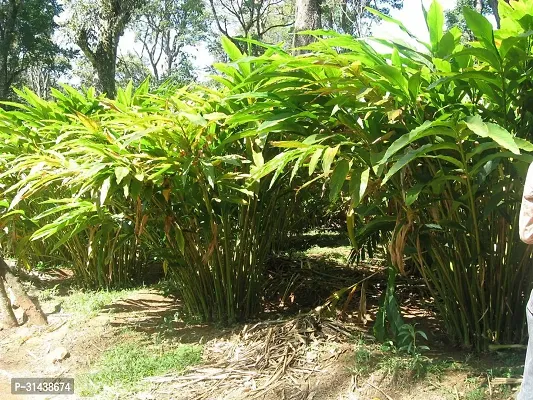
<point>296,358</point>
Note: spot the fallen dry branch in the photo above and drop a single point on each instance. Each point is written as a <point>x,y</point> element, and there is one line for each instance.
<point>506,381</point>
<point>262,356</point>
<point>380,390</point>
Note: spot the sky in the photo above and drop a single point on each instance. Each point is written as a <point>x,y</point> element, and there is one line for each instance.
<point>411,15</point>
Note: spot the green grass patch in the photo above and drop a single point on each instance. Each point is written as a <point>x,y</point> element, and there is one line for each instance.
<point>122,367</point>
<point>334,255</point>
<point>476,394</point>
<point>88,303</point>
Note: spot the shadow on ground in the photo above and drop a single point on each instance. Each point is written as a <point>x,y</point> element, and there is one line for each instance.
<point>150,313</point>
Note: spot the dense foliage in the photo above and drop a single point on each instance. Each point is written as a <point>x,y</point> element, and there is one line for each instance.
<point>427,146</point>
<point>26,29</point>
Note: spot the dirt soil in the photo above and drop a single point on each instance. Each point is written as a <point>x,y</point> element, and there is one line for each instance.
<point>29,351</point>
<point>319,368</point>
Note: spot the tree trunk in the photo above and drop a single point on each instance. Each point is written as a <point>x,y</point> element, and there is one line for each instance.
<point>105,62</point>
<point>308,17</point>
<point>494,6</point>
<point>7,317</point>
<point>106,71</point>
<point>7,34</point>
<point>30,307</point>
<point>4,87</point>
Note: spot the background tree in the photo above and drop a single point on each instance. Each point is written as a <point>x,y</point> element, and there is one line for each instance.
<point>455,17</point>
<point>130,67</point>
<point>344,16</point>
<point>308,16</point>
<point>26,29</point>
<point>351,16</point>
<point>254,19</point>
<point>41,77</point>
<point>96,27</point>
<point>165,28</point>
<point>83,73</point>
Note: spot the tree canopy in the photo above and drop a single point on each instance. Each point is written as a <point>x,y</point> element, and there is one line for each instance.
<point>162,36</point>
<point>26,39</point>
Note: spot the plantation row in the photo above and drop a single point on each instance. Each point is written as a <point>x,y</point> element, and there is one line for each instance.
<point>426,146</point>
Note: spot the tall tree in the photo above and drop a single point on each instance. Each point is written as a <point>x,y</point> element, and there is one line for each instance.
<point>308,17</point>
<point>251,18</point>
<point>352,17</point>
<point>455,17</point>
<point>97,27</point>
<point>131,68</point>
<point>83,73</point>
<point>165,28</point>
<point>494,7</point>
<point>345,16</point>
<point>26,29</point>
<point>43,76</point>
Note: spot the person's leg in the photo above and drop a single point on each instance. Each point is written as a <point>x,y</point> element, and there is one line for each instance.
<point>526,391</point>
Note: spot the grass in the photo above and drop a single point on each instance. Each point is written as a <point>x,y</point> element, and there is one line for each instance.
<point>333,255</point>
<point>48,293</point>
<point>372,357</point>
<point>476,394</point>
<point>404,369</point>
<point>122,368</point>
<point>86,304</point>
<point>509,365</point>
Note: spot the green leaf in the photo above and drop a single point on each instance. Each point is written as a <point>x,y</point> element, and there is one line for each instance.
<point>523,144</point>
<point>135,188</point>
<point>412,193</point>
<point>414,85</point>
<point>435,24</point>
<point>121,173</point>
<point>423,334</point>
<point>481,27</point>
<point>194,118</point>
<point>395,58</point>
<point>296,167</point>
<point>446,45</point>
<point>231,49</point>
<point>394,76</point>
<point>258,158</point>
<point>358,184</point>
<point>486,76</point>
<point>414,154</point>
<point>104,190</point>
<point>338,177</point>
<point>314,160</point>
<point>482,54</point>
<point>408,138</point>
<point>180,239</point>
<point>502,137</point>
<point>289,144</point>
<point>442,65</point>
<point>209,172</point>
<point>493,131</point>
<point>329,155</point>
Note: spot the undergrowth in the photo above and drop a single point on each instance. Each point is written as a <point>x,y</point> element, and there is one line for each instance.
<point>402,369</point>
<point>122,368</point>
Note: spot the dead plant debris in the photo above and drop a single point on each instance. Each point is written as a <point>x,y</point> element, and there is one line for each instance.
<point>263,356</point>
